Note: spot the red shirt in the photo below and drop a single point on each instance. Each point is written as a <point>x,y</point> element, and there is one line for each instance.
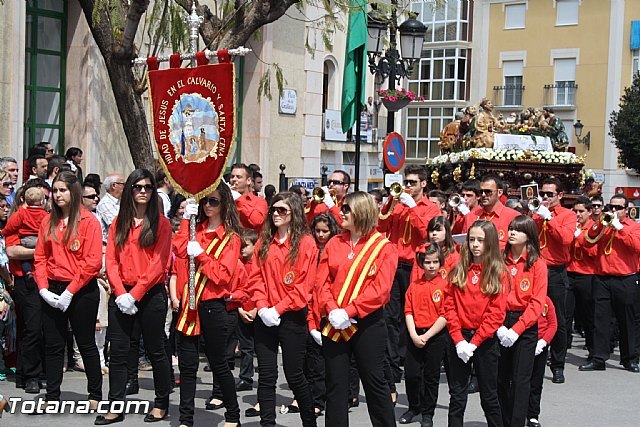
<point>252,210</point>
<point>407,227</point>
<point>219,271</point>
<point>25,222</point>
<point>424,300</point>
<point>528,291</point>
<point>239,277</point>
<point>501,216</point>
<point>556,235</point>
<point>458,224</point>
<point>333,270</point>
<point>132,265</point>
<point>77,262</point>
<point>277,283</point>
<point>617,251</point>
<point>15,265</point>
<point>450,261</point>
<point>548,322</point>
<point>471,309</point>
<point>582,258</point>
<point>315,209</point>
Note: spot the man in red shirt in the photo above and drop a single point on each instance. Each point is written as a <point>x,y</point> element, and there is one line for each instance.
<point>339,183</point>
<point>251,208</point>
<point>557,226</point>
<point>492,209</point>
<point>470,196</point>
<point>406,228</point>
<point>615,285</point>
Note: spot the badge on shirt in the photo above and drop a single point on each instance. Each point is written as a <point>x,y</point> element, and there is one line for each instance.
<point>525,285</point>
<point>514,271</point>
<point>437,295</point>
<point>75,245</point>
<point>372,270</point>
<point>500,235</point>
<point>289,278</point>
<point>443,273</point>
<point>545,310</point>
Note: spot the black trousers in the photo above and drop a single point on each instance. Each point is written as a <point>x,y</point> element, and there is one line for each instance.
<point>579,304</point>
<point>396,328</point>
<point>246,345</point>
<point>291,334</point>
<point>485,362</point>
<point>615,295</point>
<point>315,373</point>
<point>514,373</point>
<point>368,345</point>
<point>354,379</point>
<point>557,292</point>
<point>29,311</point>
<point>231,324</point>
<point>152,311</point>
<point>537,379</point>
<point>82,314</point>
<point>136,350</point>
<point>422,371</point>
<point>215,330</point>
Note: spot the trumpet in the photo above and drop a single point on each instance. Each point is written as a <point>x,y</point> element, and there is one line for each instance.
<point>454,200</point>
<point>395,190</point>
<point>318,195</point>
<point>534,204</point>
<point>606,218</point>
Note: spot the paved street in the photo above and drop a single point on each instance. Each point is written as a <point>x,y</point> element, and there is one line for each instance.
<point>609,398</point>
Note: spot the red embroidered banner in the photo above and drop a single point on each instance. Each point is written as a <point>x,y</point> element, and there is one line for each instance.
<point>193,112</point>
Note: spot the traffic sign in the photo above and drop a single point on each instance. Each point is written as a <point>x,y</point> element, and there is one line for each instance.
<point>393,152</point>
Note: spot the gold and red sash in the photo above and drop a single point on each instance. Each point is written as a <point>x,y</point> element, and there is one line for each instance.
<point>362,269</point>
<point>189,321</point>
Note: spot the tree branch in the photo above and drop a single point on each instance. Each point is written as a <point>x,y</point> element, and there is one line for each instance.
<point>136,9</point>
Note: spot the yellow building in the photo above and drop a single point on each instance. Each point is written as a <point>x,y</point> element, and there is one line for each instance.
<point>572,55</point>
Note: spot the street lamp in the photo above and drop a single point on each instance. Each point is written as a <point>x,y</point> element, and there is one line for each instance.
<point>577,128</point>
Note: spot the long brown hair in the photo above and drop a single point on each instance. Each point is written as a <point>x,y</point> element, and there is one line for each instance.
<point>126,215</point>
<point>526,225</point>
<point>297,227</point>
<point>228,211</point>
<point>70,180</point>
<point>493,265</point>
<point>439,223</point>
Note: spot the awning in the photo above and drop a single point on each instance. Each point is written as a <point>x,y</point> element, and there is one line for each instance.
<point>635,34</point>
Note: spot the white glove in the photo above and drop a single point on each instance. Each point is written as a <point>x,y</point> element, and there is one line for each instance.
<point>191,208</point>
<point>407,200</point>
<point>269,316</point>
<point>576,234</point>
<point>501,332</point>
<point>540,346</point>
<point>65,300</point>
<point>235,194</point>
<point>543,212</point>
<point>49,297</point>
<point>339,319</point>
<point>317,336</point>
<point>463,350</point>
<point>194,249</point>
<point>463,208</point>
<point>616,222</point>
<point>510,338</point>
<point>127,304</point>
<point>328,200</point>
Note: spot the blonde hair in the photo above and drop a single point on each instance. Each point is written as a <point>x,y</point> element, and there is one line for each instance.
<point>493,265</point>
<point>33,196</point>
<point>3,175</point>
<point>364,211</point>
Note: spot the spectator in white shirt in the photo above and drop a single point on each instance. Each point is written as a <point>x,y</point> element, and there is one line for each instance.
<point>109,206</point>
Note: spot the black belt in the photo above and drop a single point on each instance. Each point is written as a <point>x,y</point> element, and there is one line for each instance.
<point>405,265</point>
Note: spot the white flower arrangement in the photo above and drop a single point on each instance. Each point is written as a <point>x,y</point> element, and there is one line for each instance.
<point>506,156</point>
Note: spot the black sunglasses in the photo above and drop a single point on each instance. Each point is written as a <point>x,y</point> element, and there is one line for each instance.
<point>486,192</point>
<point>611,207</point>
<point>139,187</point>
<point>345,209</point>
<point>214,202</point>
<point>91,196</point>
<point>596,205</point>
<point>7,184</point>
<point>280,210</point>
<point>410,182</point>
<point>335,182</point>
<point>546,193</point>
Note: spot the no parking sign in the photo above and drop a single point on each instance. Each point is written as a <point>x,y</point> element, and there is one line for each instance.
<point>393,152</point>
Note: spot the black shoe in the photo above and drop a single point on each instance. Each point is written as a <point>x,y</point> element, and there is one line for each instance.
<point>631,367</point>
<point>558,376</point>
<point>533,422</point>
<point>102,421</point>
<point>19,383</point>
<point>207,368</point>
<point>150,418</point>
<point>407,417</point>
<point>32,386</point>
<point>592,366</point>
<point>133,387</point>
<point>251,412</point>
<point>473,385</point>
<point>243,385</point>
<point>354,402</point>
<point>427,421</point>
<point>213,406</point>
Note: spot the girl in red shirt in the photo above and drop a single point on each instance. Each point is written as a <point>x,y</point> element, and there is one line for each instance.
<point>68,258</point>
<point>137,259</point>
<point>439,231</point>
<point>216,250</point>
<point>281,286</point>
<point>475,308</point>
<point>519,333</point>
<point>426,324</point>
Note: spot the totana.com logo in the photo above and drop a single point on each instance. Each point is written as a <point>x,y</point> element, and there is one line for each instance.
<point>41,406</point>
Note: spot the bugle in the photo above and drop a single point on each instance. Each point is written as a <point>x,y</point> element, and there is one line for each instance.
<point>454,200</point>
<point>395,190</point>
<point>606,218</point>
<point>534,204</point>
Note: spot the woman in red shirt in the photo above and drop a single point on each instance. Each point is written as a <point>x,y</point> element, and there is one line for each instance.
<point>68,258</point>
<point>281,286</point>
<point>354,283</point>
<point>217,252</point>
<point>519,333</point>
<point>475,308</point>
<point>426,324</point>
<point>138,250</point>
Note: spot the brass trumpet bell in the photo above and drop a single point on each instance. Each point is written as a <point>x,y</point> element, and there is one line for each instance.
<point>534,204</point>
<point>318,195</point>
<point>395,190</point>
<point>606,218</point>
<point>454,200</point>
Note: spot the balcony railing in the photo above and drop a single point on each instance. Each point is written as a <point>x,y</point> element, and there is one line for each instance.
<point>508,95</point>
<point>560,94</point>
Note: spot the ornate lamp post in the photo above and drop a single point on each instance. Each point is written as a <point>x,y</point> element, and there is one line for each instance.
<point>577,128</point>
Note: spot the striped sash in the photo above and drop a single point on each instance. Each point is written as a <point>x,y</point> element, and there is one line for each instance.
<point>362,269</point>
<point>189,321</point>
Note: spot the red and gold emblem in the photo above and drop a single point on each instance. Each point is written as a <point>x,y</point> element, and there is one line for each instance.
<point>443,273</point>
<point>372,270</point>
<point>545,310</point>
<point>289,278</point>
<point>525,284</point>
<point>437,295</point>
<point>501,234</point>
<point>75,245</point>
